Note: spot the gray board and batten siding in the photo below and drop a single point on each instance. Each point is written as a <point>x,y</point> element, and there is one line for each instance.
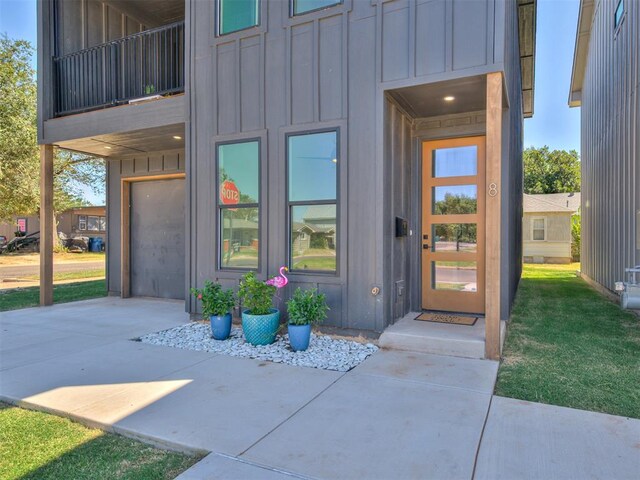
<point>331,69</point>
<point>138,166</point>
<point>606,84</point>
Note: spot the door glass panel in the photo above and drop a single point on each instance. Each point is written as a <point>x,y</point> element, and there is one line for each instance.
<point>240,237</point>
<point>313,237</point>
<point>455,162</point>
<point>455,276</point>
<point>455,200</point>
<point>454,237</point>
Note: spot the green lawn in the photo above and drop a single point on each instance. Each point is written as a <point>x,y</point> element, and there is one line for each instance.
<point>568,345</point>
<point>35,445</point>
<point>68,292</point>
<point>79,275</point>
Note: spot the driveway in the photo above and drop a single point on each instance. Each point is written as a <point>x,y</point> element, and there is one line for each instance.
<point>398,415</point>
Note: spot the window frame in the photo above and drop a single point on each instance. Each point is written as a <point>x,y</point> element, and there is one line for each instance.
<point>544,228</point>
<point>290,204</point>
<point>82,219</point>
<point>219,206</point>
<point>218,19</point>
<point>292,8</point>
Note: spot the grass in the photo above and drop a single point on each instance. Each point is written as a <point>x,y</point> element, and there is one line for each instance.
<point>18,258</point>
<point>68,292</point>
<point>568,345</point>
<point>35,445</point>
<point>81,274</point>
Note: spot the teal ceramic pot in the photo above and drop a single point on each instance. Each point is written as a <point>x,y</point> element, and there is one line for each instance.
<point>260,329</point>
<point>299,336</point>
<point>220,326</point>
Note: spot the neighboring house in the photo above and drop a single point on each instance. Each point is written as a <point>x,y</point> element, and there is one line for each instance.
<point>262,109</point>
<point>80,221</point>
<point>546,227</point>
<point>26,224</point>
<point>605,83</point>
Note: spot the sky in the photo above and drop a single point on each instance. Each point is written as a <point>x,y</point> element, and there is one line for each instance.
<point>553,123</point>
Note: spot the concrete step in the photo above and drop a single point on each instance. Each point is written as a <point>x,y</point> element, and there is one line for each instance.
<point>413,335</point>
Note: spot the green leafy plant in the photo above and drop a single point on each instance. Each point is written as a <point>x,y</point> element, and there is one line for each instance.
<point>216,302</point>
<point>575,237</point>
<point>307,307</point>
<point>149,89</point>
<point>255,295</point>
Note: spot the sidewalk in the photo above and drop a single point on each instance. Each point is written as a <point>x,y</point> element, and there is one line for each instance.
<point>398,415</point>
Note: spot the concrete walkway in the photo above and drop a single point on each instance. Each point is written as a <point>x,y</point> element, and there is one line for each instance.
<point>398,415</point>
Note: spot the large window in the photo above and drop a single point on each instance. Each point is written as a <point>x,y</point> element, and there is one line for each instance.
<point>312,163</point>
<point>238,204</point>
<point>92,223</point>
<point>305,6</point>
<point>235,15</point>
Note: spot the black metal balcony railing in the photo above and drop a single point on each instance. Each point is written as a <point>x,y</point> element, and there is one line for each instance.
<point>142,64</point>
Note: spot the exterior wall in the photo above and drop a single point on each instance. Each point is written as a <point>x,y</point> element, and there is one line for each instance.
<point>610,146</point>
<point>512,170</point>
<point>556,248</point>
<point>117,169</point>
<point>322,70</point>
<point>86,23</point>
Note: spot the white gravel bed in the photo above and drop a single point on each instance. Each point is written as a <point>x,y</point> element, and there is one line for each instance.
<point>324,352</point>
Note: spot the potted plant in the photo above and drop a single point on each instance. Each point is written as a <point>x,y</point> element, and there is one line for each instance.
<point>260,321</point>
<point>216,304</point>
<point>305,308</point>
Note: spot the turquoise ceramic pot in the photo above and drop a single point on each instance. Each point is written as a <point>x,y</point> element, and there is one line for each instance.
<point>260,329</point>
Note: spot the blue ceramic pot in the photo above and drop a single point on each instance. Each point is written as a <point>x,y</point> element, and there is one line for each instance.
<point>299,336</point>
<point>260,329</point>
<point>220,326</point>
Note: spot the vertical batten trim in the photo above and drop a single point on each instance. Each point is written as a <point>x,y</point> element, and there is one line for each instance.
<point>493,194</point>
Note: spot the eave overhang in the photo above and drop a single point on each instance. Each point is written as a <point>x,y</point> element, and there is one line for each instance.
<point>580,53</point>
<point>527,40</point>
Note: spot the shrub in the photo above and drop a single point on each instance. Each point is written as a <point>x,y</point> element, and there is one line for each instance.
<point>307,307</point>
<point>255,295</point>
<point>216,302</point>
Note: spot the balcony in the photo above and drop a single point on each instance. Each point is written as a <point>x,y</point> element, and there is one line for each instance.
<point>114,73</point>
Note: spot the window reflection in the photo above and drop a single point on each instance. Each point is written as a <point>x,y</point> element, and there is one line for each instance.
<point>238,172</point>
<point>313,237</point>
<point>313,164</point>
<point>455,199</point>
<point>240,237</point>
<point>455,162</point>
<point>455,237</point>
<point>456,276</point>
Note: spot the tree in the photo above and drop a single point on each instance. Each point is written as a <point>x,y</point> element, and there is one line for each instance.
<point>551,171</point>
<point>19,152</point>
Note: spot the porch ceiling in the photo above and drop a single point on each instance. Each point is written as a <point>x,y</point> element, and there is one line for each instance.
<point>130,143</point>
<point>152,13</point>
<point>428,100</point>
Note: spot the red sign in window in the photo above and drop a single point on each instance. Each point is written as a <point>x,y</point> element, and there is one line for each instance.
<point>22,225</point>
<point>229,194</point>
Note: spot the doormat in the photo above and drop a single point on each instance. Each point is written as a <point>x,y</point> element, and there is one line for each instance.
<point>447,318</point>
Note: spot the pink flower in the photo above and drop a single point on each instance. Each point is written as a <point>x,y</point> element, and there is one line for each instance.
<point>199,296</point>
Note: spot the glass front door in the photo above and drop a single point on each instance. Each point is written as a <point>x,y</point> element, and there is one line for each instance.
<point>453,225</point>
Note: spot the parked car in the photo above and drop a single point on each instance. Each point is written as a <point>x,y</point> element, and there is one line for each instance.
<point>3,240</point>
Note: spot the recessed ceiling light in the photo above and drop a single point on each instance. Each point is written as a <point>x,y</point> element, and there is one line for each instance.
<point>449,98</point>
<point>108,148</point>
<point>177,137</point>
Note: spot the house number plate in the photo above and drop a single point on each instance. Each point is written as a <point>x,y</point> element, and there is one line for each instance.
<point>493,189</point>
